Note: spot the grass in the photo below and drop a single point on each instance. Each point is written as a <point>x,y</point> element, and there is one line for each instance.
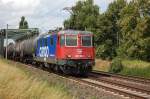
<point>102,65</point>
<point>135,64</point>
<point>16,84</point>
<point>131,67</point>
<point>135,71</point>
<point>136,68</point>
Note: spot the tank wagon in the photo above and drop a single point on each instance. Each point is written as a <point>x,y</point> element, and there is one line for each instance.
<point>68,51</point>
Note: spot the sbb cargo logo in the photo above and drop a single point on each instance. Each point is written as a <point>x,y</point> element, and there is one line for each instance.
<point>44,51</point>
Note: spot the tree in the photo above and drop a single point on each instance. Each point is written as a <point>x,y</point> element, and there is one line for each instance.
<point>84,16</point>
<point>107,34</point>
<point>23,23</point>
<point>135,30</point>
<point>122,30</point>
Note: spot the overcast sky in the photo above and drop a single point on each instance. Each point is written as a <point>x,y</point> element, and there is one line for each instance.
<point>45,14</point>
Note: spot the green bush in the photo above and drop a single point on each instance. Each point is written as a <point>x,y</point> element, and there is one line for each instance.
<point>105,52</point>
<point>116,66</point>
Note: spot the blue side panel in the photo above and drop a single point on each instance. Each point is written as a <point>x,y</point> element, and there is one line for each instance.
<point>52,41</point>
<point>46,47</point>
<point>40,46</point>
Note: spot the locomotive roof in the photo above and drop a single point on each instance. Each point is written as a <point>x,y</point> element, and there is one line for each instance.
<point>74,32</point>
<point>66,32</point>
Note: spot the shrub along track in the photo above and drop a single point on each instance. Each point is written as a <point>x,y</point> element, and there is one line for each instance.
<point>116,85</point>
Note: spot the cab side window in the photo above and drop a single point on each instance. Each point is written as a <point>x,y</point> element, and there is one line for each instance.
<point>62,40</point>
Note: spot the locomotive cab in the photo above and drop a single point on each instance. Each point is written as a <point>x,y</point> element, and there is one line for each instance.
<point>76,50</point>
<point>76,46</point>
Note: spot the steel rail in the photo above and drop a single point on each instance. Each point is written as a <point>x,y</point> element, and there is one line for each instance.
<point>116,90</point>
<point>131,78</point>
<point>121,84</point>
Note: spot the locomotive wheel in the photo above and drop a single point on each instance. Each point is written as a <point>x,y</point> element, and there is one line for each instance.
<point>50,66</point>
<point>83,71</point>
<point>41,66</point>
<point>66,70</point>
<point>59,69</point>
<point>56,68</point>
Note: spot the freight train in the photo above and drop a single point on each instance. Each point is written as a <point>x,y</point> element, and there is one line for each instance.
<point>67,51</point>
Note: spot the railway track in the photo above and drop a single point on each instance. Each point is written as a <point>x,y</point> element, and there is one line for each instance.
<point>125,77</point>
<point>101,80</point>
<point>122,89</point>
<point>116,90</point>
<point>124,86</point>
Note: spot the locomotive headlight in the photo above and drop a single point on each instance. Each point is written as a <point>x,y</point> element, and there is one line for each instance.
<point>69,56</point>
<point>89,56</point>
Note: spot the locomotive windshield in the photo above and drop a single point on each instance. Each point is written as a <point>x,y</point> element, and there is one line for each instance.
<point>86,40</point>
<point>71,40</point>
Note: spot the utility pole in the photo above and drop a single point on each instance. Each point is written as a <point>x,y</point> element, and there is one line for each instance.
<point>6,42</point>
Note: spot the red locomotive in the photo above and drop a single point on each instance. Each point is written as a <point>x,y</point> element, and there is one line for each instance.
<point>76,50</point>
